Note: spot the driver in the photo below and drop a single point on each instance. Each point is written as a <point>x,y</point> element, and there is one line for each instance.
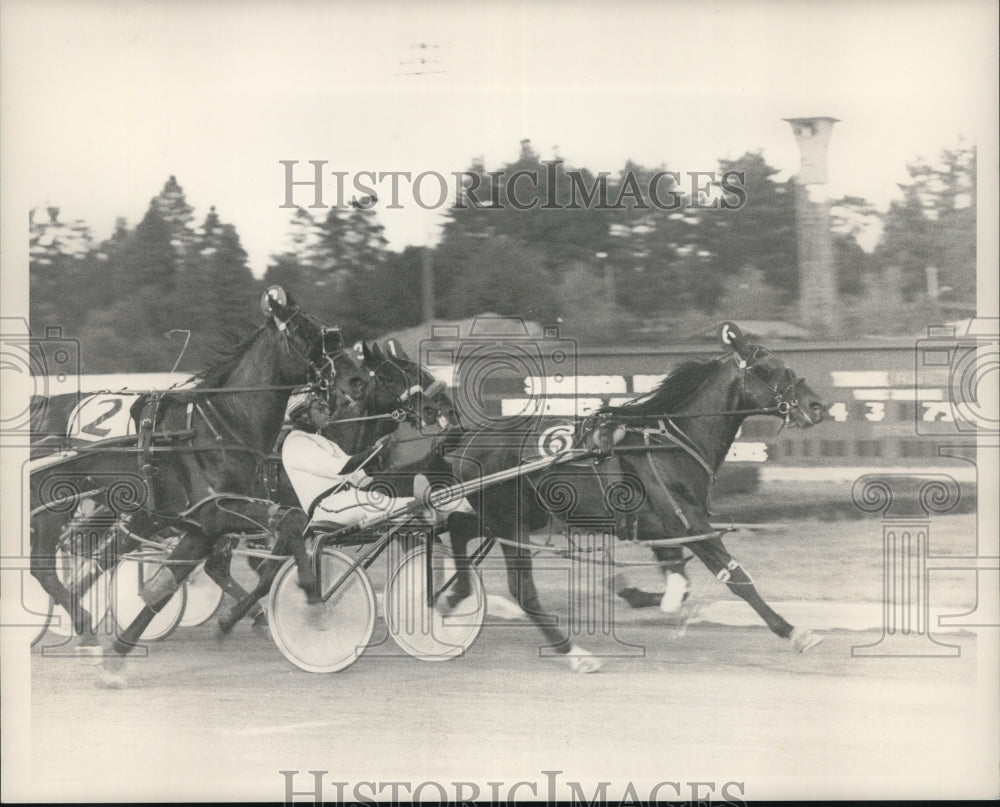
<point>315,467</point>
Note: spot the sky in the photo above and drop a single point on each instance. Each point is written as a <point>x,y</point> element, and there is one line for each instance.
<point>102,101</point>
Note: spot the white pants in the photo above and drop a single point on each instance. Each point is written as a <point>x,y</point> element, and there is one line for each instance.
<point>350,505</point>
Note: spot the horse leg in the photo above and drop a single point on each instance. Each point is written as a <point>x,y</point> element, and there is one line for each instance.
<point>671,562</point>
<point>289,524</point>
<point>156,592</point>
<point>713,554</point>
<point>462,527</point>
<point>218,566</point>
<point>676,585</point>
<point>267,572</point>
<point>521,582</point>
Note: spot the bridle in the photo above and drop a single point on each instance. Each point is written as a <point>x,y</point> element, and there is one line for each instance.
<point>782,393</point>
<point>322,370</point>
<point>404,400</point>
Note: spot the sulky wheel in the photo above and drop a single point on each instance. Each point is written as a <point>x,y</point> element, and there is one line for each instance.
<point>202,600</point>
<point>126,602</point>
<point>425,632</point>
<point>327,636</point>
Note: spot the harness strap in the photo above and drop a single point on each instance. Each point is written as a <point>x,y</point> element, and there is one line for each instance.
<point>666,491</point>
<point>208,420</point>
<point>682,441</point>
<point>147,423</point>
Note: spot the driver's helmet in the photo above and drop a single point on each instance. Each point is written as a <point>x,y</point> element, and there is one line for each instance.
<point>299,408</point>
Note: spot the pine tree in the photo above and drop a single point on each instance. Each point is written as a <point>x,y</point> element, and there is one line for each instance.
<point>298,268</point>
<point>759,234</point>
<point>223,306</point>
<point>177,214</point>
<point>58,256</point>
<point>934,224</point>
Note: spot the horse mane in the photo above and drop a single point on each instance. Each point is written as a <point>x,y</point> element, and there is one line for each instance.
<point>672,392</point>
<point>226,359</point>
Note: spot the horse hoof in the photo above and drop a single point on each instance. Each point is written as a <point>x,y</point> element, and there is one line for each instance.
<point>502,608</point>
<point>447,604</point>
<point>582,661</point>
<point>89,643</point>
<point>112,674</point>
<point>803,640</point>
<point>674,593</point>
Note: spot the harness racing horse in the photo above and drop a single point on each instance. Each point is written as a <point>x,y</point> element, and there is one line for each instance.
<point>396,388</point>
<point>190,472</point>
<point>658,456</point>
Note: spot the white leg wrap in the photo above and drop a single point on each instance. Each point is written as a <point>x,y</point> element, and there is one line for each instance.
<point>676,586</point>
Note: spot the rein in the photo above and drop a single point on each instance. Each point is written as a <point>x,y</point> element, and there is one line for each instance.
<point>398,415</point>
<point>206,390</point>
<point>782,408</point>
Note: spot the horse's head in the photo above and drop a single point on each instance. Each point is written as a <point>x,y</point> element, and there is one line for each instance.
<point>323,358</point>
<point>395,381</point>
<point>767,383</point>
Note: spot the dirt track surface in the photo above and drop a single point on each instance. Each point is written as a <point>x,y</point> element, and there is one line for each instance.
<point>208,720</point>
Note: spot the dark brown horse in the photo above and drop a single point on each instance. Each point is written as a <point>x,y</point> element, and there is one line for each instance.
<point>191,472</point>
<point>657,460</point>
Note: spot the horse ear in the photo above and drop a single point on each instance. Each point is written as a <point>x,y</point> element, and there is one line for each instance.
<point>396,349</point>
<point>376,351</point>
<point>732,337</point>
<point>275,303</point>
<point>366,351</point>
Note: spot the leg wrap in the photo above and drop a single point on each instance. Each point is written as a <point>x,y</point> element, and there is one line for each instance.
<point>726,574</point>
<point>160,587</point>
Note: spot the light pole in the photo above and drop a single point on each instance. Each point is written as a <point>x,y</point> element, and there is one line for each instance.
<point>427,283</point>
<point>608,272</point>
<point>423,59</point>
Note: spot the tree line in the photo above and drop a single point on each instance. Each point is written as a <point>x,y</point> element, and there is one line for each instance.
<point>631,272</point>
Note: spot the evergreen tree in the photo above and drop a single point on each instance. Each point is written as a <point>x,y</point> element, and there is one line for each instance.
<point>934,224</point>
<point>335,263</point>
<point>302,267</point>
<point>654,273</point>
<point>178,216</point>
<point>760,234</point>
<point>58,257</point>
<point>500,276</point>
<point>224,289</point>
<point>386,296</point>
<point>852,219</point>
